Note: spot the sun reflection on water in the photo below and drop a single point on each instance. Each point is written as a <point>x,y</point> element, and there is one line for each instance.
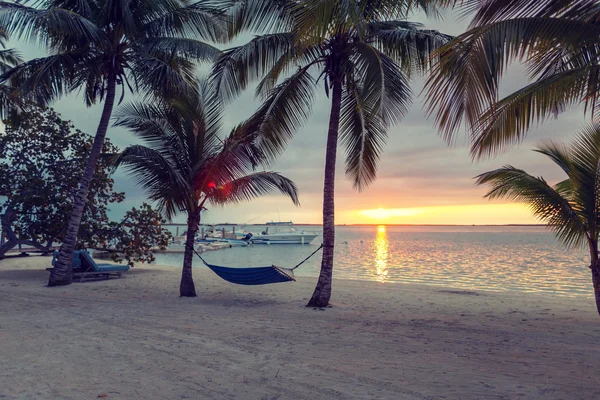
<point>381,247</point>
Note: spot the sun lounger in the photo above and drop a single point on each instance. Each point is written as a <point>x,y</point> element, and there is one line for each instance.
<point>84,267</point>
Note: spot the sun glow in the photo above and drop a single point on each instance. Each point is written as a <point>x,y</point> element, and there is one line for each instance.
<point>479,214</point>
<point>384,213</point>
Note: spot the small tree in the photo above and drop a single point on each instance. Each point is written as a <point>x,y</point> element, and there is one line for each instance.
<point>43,160</point>
<point>571,208</point>
<point>134,238</point>
<point>43,157</point>
<point>186,164</point>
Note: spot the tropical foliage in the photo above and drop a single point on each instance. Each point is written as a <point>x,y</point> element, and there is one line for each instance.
<point>43,158</point>
<point>571,208</point>
<point>186,165</point>
<point>362,52</point>
<point>96,46</point>
<point>134,238</point>
<point>558,43</point>
<point>9,58</point>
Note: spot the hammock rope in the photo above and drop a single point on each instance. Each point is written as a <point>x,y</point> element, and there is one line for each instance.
<point>256,275</point>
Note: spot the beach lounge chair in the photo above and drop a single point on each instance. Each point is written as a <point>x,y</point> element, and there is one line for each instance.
<point>84,267</point>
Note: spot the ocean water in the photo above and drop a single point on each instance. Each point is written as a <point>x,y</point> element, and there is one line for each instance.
<point>527,259</point>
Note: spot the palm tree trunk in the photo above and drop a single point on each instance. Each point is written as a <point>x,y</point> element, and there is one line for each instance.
<point>186,287</point>
<point>62,273</point>
<point>322,293</point>
<point>595,268</point>
<point>596,282</point>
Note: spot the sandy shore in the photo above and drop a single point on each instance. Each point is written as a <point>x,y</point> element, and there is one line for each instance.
<point>133,338</point>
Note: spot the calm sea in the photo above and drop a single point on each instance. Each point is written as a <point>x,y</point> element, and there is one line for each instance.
<point>526,259</point>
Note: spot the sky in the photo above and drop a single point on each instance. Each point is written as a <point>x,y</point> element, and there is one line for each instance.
<point>420,180</point>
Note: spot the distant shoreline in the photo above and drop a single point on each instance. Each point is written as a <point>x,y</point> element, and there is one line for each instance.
<point>366,225</point>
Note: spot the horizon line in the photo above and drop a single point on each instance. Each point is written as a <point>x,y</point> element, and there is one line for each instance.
<point>380,224</point>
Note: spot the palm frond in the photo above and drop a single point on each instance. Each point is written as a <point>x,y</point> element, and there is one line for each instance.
<point>508,120</point>
<point>261,15</point>
<point>167,75</point>
<point>585,155</point>
<point>301,54</point>
<point>385,88</point>
<point>151,123</point>
<point>155,173</point>
<point>206,20</point>
<point>45,79</point>
<point>9,101</point>
<point>284,111</point>
<point>544,201</point>
<point>190,49</point>
<point>560,155</point>
<point>9,58</point>
<point>237,66</point>
<point>56,23</point>
<point>490,11</point>
<point>464,83</point>
<point>363,133</point>
<point>408,45</point>
<point>252,186</point>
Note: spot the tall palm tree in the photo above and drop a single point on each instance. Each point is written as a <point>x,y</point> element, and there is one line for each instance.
<point>144,46</point>
<point>186,165</point>
<point>9,58</point>
<point>571,208</point>
<point>365,59</point>
<point>559,43</point>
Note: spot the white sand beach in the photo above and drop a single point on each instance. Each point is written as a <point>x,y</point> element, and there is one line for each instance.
<point>134,338</point>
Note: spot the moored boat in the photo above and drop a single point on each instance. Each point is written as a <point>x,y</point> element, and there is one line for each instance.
<point>293,236</point>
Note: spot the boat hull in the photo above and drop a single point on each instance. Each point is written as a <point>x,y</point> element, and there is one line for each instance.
<point>233,242</point>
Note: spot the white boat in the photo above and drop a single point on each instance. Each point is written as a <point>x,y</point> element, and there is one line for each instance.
<point>293,236</point>
<point>213,235</point>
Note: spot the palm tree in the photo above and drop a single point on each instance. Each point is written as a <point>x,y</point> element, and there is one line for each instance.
<point>571,208</point>
<point>364,58</point>
<point>143,46</point>
<point>186,165</point>
<point>9,58</point>
<point>559,43</point>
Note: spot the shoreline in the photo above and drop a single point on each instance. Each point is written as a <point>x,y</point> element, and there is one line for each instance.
<point>378,341</point>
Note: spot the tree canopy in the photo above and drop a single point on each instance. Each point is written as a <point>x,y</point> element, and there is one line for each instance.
<point>557,41</point>
<point>43,160</point>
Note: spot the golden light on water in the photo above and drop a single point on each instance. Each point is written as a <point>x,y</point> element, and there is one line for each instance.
<point>381,246</point>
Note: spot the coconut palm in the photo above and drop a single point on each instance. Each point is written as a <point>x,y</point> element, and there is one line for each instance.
<point>571,208</point>
<point>96,46</point>
<point>9,58</point>
<point>185,165</point>
<point>558,41</point>
<point>364,59</point>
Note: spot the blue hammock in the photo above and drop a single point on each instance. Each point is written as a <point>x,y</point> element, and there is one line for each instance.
<point>255,275</point>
